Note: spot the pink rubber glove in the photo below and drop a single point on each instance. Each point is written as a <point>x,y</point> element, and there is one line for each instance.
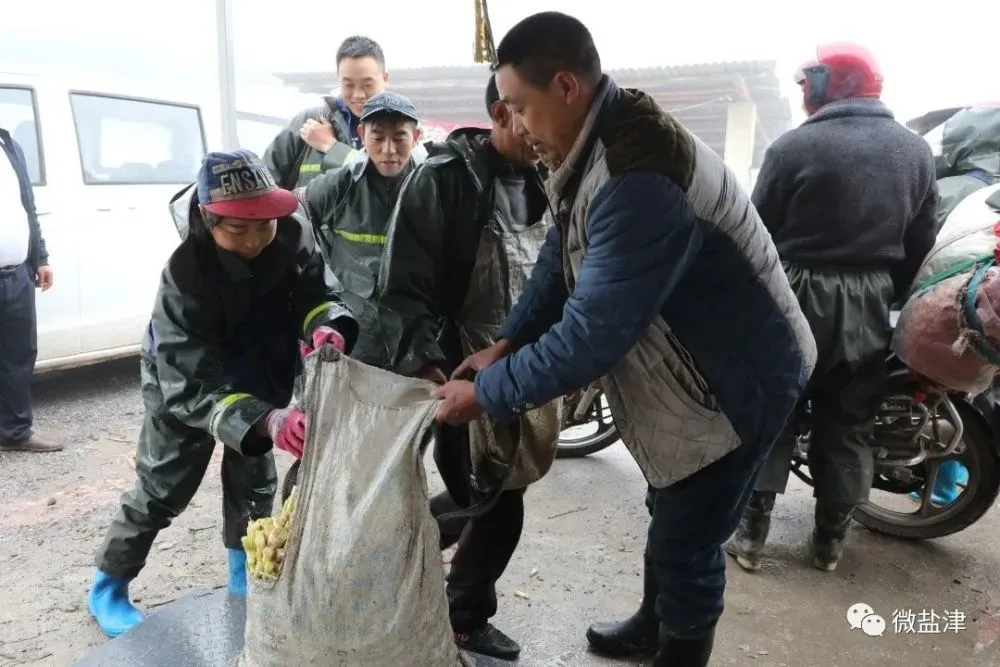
<point>287,428</point>
<point>321,337</point>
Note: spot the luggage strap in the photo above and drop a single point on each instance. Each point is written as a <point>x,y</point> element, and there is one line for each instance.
<point>970,327</point>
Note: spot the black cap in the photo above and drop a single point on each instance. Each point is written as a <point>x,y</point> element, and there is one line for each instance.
<point>389,102</point>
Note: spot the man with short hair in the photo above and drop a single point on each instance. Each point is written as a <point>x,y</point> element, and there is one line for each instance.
<point>660,280</point>
<point>465,222</point>
<point>24,265</point>
<point>324,138</point>
<point>350,209</point>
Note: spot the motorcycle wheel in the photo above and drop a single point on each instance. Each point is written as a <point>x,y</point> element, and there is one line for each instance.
<point>983,463</point>
<point>578,448</point>
<point>605,436</point>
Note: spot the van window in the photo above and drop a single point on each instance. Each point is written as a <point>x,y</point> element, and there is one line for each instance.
<point>17,116</point>
<point>126,140</point>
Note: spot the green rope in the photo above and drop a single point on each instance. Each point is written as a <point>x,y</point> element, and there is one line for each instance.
<point>941,276</point>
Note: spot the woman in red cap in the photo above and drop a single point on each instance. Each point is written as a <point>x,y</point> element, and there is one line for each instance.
<point>244,289</point>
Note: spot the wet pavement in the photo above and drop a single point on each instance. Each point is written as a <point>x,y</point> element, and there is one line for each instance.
<point>579,559</point>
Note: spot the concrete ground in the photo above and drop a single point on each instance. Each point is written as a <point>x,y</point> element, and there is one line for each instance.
<point>579,559</point>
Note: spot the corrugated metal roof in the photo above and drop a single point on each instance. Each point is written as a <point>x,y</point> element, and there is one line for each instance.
<point>698,94</point>
<point>403,74</point>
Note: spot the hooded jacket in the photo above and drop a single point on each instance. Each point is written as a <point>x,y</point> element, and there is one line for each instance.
<point>223,335</point>
<point>434,236</point>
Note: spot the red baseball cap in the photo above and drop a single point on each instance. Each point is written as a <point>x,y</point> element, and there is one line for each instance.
<point>236,184</point>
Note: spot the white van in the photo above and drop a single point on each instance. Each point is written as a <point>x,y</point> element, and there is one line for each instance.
<point>104,163</point>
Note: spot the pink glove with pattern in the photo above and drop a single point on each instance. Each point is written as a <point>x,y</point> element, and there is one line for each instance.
<point>287,428</point>
<point>321,337</point>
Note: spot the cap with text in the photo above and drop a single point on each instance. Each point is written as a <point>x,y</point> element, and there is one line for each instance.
<point>236,184</point>
<point>389,103</point>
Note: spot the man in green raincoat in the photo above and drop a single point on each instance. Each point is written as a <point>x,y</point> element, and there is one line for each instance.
<point>350,210</point>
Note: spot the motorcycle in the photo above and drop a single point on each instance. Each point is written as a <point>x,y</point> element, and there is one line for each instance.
<point>587,407</point>
<point>917,428</point>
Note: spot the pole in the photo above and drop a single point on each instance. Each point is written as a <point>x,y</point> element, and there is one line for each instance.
<point>227,73</point>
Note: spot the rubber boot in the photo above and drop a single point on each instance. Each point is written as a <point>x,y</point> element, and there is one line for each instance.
<point>237,572</point>
<point>747,543</point>
<point>684,652</point>
<point>951,476</point>
<point>832,522</point>
<point>636,635</point>
<point>110,605</point>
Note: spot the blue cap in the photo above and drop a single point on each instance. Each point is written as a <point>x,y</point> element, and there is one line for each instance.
<point>389,102</point>
<point>236,184</point>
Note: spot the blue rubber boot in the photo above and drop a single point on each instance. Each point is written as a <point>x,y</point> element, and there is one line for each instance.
<point>110,606</point>
<point>238,572</point>
<point>951,474</point>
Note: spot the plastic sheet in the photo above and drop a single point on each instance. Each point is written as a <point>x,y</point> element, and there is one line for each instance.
<point>968,233</point>
<point>362,584</point>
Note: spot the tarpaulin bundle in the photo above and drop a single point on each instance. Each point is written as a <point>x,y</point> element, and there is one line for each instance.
<point>949,330</point>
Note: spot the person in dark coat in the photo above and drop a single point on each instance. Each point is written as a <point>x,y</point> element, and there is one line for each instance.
<point>24,266</point>
<point>244,289</point>
<point>326,137</point>
<point>850,199</point>
<point>465,220</point>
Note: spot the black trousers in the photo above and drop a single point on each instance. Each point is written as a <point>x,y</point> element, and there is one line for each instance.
<point>485,543</point>
<point>18,350</point>
<point>845,402</point>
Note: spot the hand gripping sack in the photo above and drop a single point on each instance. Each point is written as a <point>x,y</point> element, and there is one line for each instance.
<point>361,584</point>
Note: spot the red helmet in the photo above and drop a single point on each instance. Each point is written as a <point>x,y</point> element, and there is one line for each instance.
<point>840,70</point>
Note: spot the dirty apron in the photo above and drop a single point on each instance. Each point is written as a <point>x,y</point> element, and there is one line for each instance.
<point>517,454</point>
